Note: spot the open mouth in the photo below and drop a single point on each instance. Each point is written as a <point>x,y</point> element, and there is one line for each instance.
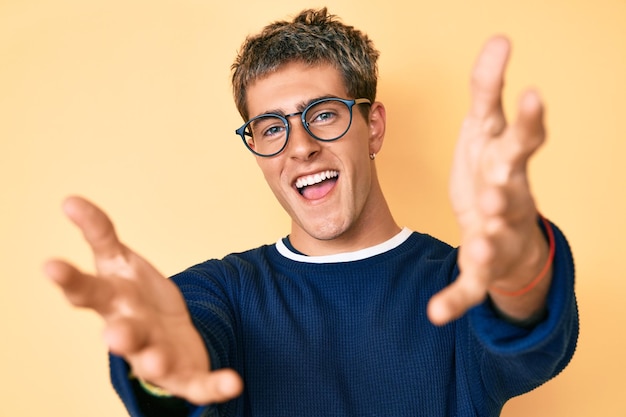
<point>316,186</point>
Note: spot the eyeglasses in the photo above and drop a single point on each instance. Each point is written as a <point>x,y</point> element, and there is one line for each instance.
<point>326,120</point>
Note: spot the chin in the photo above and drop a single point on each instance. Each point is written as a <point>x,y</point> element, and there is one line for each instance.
<point>325,230</point>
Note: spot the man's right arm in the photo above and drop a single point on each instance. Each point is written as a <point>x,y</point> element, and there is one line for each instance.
<point>146,318</point>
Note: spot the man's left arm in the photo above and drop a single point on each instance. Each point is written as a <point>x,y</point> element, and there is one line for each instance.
<point>506,250</point>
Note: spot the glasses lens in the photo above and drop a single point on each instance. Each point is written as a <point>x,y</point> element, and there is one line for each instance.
<point>266,135</point>
<point>328,119</point>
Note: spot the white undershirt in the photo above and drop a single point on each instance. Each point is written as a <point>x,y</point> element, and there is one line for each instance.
<point>392,243</point>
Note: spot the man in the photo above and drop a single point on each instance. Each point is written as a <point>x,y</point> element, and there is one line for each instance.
<point>350,314</point>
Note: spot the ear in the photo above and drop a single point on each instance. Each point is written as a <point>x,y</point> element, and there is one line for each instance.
<point>377,125</point>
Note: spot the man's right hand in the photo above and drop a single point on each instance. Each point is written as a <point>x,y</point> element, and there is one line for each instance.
<point>146,318</point>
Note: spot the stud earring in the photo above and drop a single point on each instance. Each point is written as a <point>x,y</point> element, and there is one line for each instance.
<point>372,156</point>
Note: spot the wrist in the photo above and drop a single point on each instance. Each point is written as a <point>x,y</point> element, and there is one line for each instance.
<point>543,273</point>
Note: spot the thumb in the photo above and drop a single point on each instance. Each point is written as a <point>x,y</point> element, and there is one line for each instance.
<point>453,301</point>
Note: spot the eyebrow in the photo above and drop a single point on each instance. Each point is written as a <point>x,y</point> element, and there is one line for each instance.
<point>299,107</point>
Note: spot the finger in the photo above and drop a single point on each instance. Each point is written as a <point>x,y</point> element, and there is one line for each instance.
<point>198,387</point>
<point>97,228</point>
<point>529,129</point>
<point>215,387</point>
<point>487,83</point>
<point>453,301</point>
<point>470,287</point>
<point>80,289</point>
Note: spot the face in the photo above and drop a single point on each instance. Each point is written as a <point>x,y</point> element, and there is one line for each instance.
<point>329,189</point>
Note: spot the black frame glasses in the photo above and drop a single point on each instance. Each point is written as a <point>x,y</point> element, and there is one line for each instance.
<point>245,130</point>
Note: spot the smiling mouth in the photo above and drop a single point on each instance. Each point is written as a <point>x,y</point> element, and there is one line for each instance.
<point>316,186</point>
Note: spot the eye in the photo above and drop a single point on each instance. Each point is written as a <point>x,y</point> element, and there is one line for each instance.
<point>324,116</point>
<point>266,128</point>
<point>274,130</point>
<point>326,112</point>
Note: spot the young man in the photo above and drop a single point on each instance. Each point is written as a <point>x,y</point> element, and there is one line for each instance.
<point>350,314</point>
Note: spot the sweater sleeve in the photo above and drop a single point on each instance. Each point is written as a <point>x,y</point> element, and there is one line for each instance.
<point>509,359</point>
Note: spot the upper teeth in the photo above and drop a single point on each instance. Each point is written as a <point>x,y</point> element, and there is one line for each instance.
<point>316,178</point>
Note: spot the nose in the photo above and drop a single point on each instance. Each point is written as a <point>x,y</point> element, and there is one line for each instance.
<point>300,144</point>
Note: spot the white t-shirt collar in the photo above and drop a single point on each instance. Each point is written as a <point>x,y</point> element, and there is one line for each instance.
<point>360,254</point>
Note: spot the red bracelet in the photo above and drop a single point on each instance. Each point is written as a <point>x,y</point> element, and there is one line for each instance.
<point>543,272</point>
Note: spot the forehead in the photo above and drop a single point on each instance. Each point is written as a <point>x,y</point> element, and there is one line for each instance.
<point>291,85</point>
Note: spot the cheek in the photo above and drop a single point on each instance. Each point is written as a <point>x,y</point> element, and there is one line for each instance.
<point>364,177</point>
<point>271,172</point>
<point>266,165</point>
<point>358,166</point>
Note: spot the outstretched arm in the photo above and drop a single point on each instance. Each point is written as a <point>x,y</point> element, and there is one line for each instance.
<point>502,247</point>
<point>146,318</point>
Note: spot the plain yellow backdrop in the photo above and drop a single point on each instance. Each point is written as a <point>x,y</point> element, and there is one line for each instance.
<point>129,103</point>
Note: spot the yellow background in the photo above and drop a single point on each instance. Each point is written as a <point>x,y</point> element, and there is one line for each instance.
<point>128,103</point>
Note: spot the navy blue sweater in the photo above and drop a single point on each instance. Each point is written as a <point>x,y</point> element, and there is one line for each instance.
<point>347,335</point>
